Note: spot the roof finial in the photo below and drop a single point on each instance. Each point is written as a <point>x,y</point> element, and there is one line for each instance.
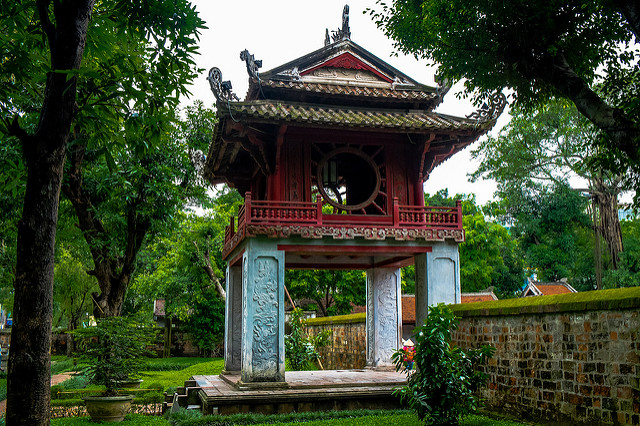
<point>343,33</point>
<point>497,102</point>
<point>253,64</point>
<point>221,89</point>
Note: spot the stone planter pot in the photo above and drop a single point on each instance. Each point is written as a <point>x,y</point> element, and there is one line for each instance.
<point>129,384</point>
<point>108,408</point>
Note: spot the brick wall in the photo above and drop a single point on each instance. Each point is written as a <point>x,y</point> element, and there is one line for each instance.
<point>566,359</point>
<point>560,361</point>
<point>347,349</point>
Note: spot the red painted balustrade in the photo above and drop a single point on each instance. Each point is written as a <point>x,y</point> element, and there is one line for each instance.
<point>255,212</point>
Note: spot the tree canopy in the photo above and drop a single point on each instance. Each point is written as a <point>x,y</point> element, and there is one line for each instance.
<point>539,49</point>
<point>107,68</point>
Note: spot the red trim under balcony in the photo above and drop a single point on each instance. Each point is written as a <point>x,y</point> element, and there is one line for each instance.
<point>306,219</point>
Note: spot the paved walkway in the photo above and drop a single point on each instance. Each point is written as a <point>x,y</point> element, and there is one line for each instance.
<point>58,378</point>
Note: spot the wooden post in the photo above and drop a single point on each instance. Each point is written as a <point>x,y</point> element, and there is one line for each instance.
<point>247,208</point>
<point>396,213</point>
<point>459,213</point>
<point>319,211</point>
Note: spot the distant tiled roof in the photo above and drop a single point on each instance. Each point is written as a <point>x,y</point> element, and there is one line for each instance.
<point>536,288</point>
<point>351,90</point>
<point>275,111</point>
<point>486,296</point>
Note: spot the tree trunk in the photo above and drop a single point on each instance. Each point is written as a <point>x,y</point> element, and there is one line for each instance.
<point>609,224</point>
<point>28,380</point>
<point>166,349</point>
<point>206,258</point>
<point>597,251</point>
<point>112,272</point>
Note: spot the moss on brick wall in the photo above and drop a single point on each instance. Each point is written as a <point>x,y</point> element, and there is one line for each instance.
<point>338,319</point>
<point>607,300</point>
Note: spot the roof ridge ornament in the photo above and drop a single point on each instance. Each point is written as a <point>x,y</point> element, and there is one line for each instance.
<point>253,65</point>
<point>340,34</point>
<point>497,102</point>
<point>221,89</point>
<point>444,85</point>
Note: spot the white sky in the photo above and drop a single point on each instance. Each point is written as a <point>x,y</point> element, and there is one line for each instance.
<point>279,31</point>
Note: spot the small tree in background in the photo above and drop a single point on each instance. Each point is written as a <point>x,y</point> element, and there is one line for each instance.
<point>442,389</point>
<point>301,349</point>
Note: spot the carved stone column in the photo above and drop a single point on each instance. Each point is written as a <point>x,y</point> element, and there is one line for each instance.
<point>437,278</point>
<point>384,316</point>
<point>263,314</point>
<point>233,319</point>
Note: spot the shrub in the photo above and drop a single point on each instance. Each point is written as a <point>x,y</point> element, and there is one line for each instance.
<point>442,388</point>
<point>300,348</point>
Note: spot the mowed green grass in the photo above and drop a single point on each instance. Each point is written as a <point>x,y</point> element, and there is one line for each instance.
<point>378,420</point>
<point>178,377</point>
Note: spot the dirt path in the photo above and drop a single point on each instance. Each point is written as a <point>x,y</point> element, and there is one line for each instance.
<point>58,378</point>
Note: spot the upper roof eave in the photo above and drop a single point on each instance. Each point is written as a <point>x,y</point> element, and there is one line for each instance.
<point>317,57</point>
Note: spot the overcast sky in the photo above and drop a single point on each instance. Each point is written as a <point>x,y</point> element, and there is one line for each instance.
<point>279,31</point>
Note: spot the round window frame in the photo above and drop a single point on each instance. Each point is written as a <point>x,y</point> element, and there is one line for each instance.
<point>372,164</point>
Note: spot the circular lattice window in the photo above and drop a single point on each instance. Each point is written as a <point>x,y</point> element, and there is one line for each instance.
<point>348,179</point>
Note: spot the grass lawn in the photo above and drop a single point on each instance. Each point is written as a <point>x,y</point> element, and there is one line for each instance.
<point>172,372</point>
<point>172,378</point>
<point>405,419</point>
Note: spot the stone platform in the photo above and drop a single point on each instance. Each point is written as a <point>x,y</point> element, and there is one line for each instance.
<point>302,391</point>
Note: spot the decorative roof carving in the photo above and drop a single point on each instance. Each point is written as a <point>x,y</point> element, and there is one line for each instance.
<point>253,65</point>
<point>340,34</point>
<point>221,89</point>
<point>490,112</point>
<point>444,85</point>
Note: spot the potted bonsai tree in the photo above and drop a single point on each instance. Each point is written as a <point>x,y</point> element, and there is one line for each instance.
<point>113,350</point>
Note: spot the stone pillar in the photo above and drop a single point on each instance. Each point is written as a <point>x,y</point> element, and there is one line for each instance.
<point>233,319</point>
<point>263,314</point>
<point>437,278</point>
<point>384,316</point>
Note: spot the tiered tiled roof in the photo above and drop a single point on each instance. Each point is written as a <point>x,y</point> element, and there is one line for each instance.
<point>352,90</point>
<point>326,115</point>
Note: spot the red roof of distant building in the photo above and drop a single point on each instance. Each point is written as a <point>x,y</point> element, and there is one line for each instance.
<point>536,288</point>
<point>484,296</point>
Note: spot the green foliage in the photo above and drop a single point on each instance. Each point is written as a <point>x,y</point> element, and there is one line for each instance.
<point>176,267</point>
<point>114,348</point>
<point>442,388</point>
<point>489,256</point>
<point>334,292</point>
<point>301,349</point>
<point>582,51</point>
<point>628,274</point>
<point>545,222</point>
<point>491,44</point>
<point>72,289</point>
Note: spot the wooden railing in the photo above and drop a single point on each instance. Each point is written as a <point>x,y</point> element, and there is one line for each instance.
<point>255,212</point>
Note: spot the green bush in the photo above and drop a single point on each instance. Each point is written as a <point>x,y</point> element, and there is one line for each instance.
<point>114,350</point>
<point>442,388</point>
<point>301,350</point>
<point>62,365</point>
